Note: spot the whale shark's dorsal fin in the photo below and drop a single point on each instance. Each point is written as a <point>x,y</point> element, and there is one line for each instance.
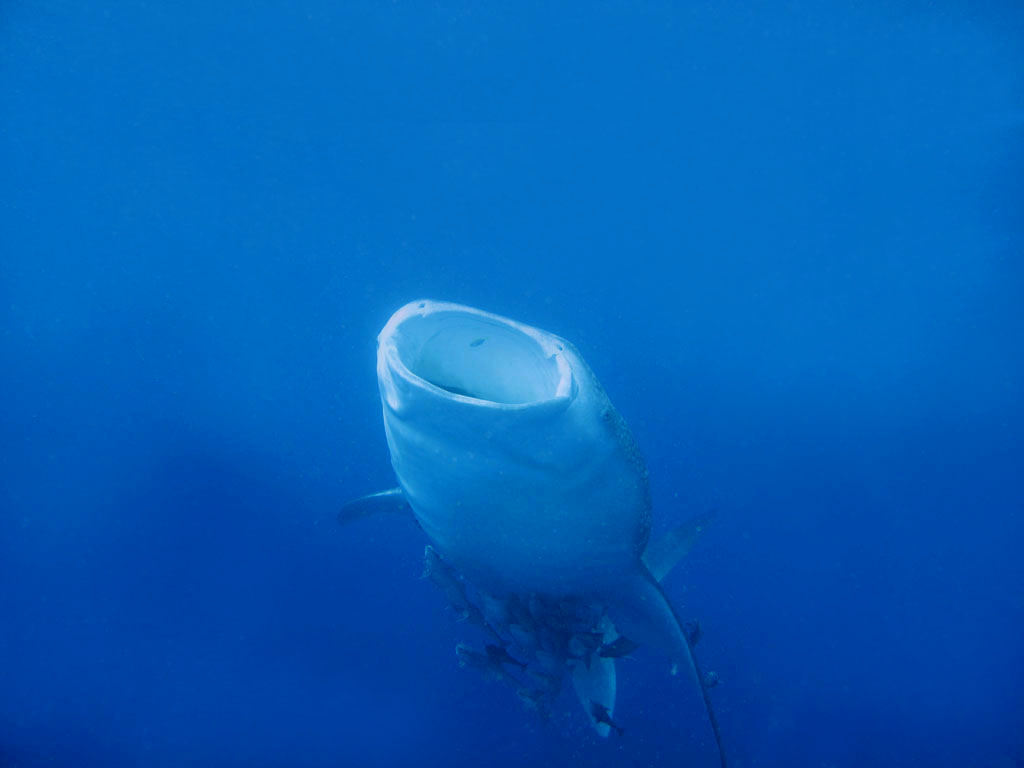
<point>662,554</point>
<point>391,501</point>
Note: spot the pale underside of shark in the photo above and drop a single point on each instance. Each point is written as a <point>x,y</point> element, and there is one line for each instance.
<point>531,488</point>
<point>538,633</point>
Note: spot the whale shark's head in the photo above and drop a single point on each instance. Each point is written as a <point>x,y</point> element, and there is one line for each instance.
<point>514,461</point>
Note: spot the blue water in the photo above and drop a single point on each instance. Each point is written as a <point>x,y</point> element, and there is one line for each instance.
<point>787,237</point>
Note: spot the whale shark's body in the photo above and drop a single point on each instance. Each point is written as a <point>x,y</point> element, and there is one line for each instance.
<point>530,486</point>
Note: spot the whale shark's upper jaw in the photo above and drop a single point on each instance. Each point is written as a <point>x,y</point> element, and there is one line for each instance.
<point>463,354</point>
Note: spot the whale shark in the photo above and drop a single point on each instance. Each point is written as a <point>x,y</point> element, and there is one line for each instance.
<point>534,496</point>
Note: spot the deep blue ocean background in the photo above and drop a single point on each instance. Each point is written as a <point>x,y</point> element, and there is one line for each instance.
<point>788,237</point>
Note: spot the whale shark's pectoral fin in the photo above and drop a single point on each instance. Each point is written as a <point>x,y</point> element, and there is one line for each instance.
<point>390,502</point>
<point>662,555</point>
<point>642,612</point>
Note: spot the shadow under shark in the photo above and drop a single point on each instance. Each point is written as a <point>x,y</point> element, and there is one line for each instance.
<point>532,490</point>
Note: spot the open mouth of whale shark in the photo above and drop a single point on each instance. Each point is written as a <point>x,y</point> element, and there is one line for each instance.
<point>473,355</point>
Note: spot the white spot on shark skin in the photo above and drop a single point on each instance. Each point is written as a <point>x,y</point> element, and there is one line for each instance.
<point>522,474</point>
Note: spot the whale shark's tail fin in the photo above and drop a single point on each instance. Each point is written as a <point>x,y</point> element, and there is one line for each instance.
<point>642,612</point>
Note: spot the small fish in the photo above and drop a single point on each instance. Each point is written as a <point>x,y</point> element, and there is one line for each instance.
<point>469,657</point>
<point>693,632</point>
<point>536,700</point>
<point>447,580</point>
<point>551,684</point>
<point>550,663</point>
<point>583,645</point>
<point>600,714</point>
<point>623,646</point>
<point>523,637</point>
<point>477,342</point>
<point>499,655</point>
